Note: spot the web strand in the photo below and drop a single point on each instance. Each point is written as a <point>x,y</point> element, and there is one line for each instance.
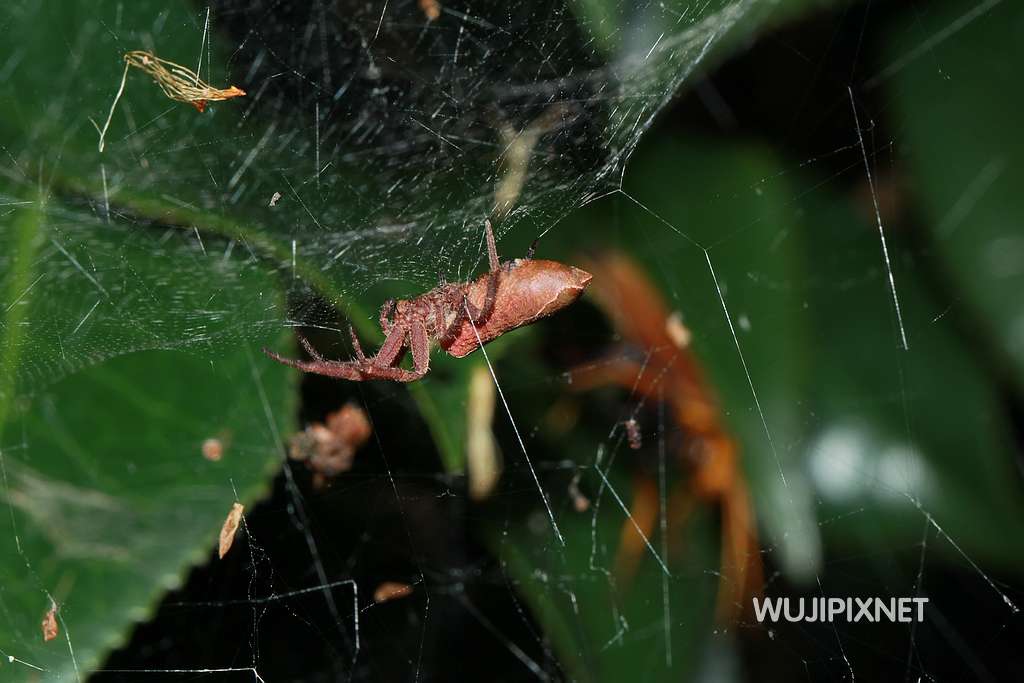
<point>519,438</point>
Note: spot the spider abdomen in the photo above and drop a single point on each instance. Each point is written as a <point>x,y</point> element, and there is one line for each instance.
<point>527,291</point>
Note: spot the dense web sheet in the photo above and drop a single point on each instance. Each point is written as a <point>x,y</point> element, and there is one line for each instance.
<point>373,140</point>
<point>517,113</point>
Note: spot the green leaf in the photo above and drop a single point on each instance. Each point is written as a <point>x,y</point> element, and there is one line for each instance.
<point>956,112</point>
<point>111,499</point>
<point>109,494</point>
<point>96,289</point>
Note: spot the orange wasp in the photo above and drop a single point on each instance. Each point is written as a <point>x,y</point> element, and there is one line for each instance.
<point>671,373</point>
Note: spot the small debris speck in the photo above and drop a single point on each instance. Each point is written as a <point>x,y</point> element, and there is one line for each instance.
<point>677,331</point>
<point>213,450</point>
<point>49,624</point>
<point>328,448</point>
<point>431,8</point>
<point>579,501</point>
<point>633,434</point>
<point>391,590</point>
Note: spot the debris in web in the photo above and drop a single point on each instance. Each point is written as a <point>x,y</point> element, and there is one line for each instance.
<point>580,502</point>
<point>213,449</point>
<point>178,82</point>
<point>431,8</point>
<point>391,590</point>
<point>483,463</point>
<point>516,153</point>
<point>328,448</point>
<point>230,528</point>
<point>677,331</point>
<point>49,625</point>
<point>633,435</point>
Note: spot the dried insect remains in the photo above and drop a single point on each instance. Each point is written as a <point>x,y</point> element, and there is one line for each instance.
<point>328,448</point>
<point>49,624</point>
<point>458,316</point>
<point>230,528</point>
<point>178,82</point>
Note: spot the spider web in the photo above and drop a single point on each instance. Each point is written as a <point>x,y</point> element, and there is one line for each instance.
<point>519,114</point>
<point>372,143</point>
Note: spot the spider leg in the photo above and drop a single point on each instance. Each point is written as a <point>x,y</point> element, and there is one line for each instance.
<point>384,364</point>
<point>484,312</point>
<point>481,315</point>
<point>439,325</point>
<point>450,332</point>
<point>313,353</point>
<point>391,350</point>
<point>385,314</point>
<point>468,309</point>
<point>356,346</point>
<point>492,295</point>
<point>420,344</point>
<point>492,249</point>
<point>328,368</point>
<point>370,371</point>
<point>381,366</point>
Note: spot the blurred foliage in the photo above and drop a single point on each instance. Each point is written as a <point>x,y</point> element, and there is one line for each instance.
<point>623,29</point>
<point>860,444</point>
<point>956,117</point>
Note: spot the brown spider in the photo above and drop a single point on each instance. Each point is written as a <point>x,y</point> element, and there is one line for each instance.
<point>459,316</point>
